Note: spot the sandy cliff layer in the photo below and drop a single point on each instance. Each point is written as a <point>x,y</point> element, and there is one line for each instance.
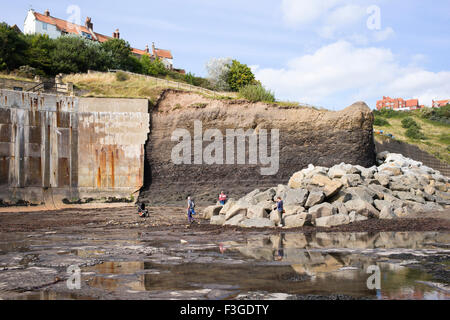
<point>306,136</point>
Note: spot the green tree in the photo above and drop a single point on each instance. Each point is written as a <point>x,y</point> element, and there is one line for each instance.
<point>239,76</point>
<point>118,52</point>
<point>38,53</point>
<point>153,67</point>
<point>73,54</point>
<point>13,47</point>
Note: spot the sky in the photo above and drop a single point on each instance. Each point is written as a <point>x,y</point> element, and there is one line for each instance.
<point>328,53</point>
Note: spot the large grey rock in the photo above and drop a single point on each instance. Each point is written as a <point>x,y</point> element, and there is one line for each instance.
<point>295,197</point>
<point>293,210</point>
<point>295,221</point>
<point>387,213</point>
<point>339,207</point>
<point>314,198</point>
<point>330,187</point>
<point>228,205</point>
<point>250,197</point>
<point>235,220</point>
<point>362,192</point>
<point>367,173</point>
<point>218,220</point>
<point>267,195</point>
<point>354,217</point>
<point>260,210</point>
<point>332,221</point>
<point>322,210</point>
<point>257,223</point>
<point>380,204</point>
<point>379,191</point>
<point>275,217</point>
<point>351,180</point>
<point>383,179</point>
<point>408,196</point>
<point>336,171</point>
<point>238,208</point>
<point>362,207</point>
<point>210,211</point>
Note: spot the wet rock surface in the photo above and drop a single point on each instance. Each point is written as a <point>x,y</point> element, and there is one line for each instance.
<point>122,256</point>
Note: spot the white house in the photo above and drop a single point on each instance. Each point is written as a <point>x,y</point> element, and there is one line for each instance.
<point>36,23</point>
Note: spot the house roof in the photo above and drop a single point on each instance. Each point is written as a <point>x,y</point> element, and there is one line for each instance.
<point>69,27</point>
<point>73,28</point>
<point>160,53</point>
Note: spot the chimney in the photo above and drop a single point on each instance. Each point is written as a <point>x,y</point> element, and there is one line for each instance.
<point>147,49</point>
<point>89,24</point>
<point>153,49</point>
<point>116,34</point>
<point>47,13</point>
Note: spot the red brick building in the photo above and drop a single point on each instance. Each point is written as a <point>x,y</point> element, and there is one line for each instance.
<point>398,104</point>
<point>440,103</point>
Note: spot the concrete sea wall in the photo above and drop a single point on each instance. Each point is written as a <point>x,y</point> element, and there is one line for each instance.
<point>55,147</point>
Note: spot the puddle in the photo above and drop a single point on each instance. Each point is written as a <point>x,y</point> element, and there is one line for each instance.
<point>278,266</point>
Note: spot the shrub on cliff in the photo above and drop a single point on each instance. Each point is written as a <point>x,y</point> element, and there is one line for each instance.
<point>409,123</point>
<point>12,48</point>
<point>415,133</point>
<point>381,122</point>
<point>256,93</point>
<point>239,76</point>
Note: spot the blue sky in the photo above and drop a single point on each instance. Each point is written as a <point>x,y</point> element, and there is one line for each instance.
<point>329,53</point>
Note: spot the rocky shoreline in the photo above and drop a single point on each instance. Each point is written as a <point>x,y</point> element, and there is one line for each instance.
<point>397,188</point>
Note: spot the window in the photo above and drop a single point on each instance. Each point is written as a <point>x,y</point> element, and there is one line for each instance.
<point>44,26</point>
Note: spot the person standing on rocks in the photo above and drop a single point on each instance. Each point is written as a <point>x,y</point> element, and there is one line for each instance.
<point>190,210</point>
<point>222,198</point>
<point>280,210</point>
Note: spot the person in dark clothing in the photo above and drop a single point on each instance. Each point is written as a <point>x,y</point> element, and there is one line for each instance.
<point>143,213</point>
<point>190,210</point>
<point>280,210</point>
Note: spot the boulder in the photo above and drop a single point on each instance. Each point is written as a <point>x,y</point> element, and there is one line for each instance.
<point>228,205</point>
<point>295,221</point>
<point>362,207</point>
<point>267,195</point>
<point>367,173</point>
<point>274,216</point>
<point>293,210</point>
<point>257,223</point>
<point>383,179</point>
<point>218,220</point>
<point>295,182</point>
<point>429,190</point>
<point>295,197</point>
<point>211,211</point>
<point>379,191</point>
<point>260,210</point>
<point>354,217</point>
<point>314,198</point>
<point>351,180</point>
<point>239,208</point>
<point>332,221</point>
<point>235,220</point>
<point>336,171</point>
<point>339,207</point>
<point>387,213</point>
<point>408,196</point>
<point>330,187</point>
<point>322,210</point>
<point>362,192</point>
<point>391,171</point>
<point>250,197</point>
<point>380,204</point>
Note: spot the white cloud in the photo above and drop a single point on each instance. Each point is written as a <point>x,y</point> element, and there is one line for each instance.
<point>333,19</point>
<point>383,35</point>
<point>339,74</point>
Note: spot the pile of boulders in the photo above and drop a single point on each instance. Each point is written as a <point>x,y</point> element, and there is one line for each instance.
<point>325,197</point>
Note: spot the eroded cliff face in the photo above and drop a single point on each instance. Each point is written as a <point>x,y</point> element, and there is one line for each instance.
<point>323,138</point>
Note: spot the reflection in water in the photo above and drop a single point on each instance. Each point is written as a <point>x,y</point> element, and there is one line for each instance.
<point>290,263</point>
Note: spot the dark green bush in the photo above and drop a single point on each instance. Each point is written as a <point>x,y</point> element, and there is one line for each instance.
<point>381,122</point>
<point>415,133</point>
<point>410,123</point>
<point>256,93</point>
<point>122,76</point>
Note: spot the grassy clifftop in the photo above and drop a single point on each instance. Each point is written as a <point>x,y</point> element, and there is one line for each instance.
<point>433,125</point>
